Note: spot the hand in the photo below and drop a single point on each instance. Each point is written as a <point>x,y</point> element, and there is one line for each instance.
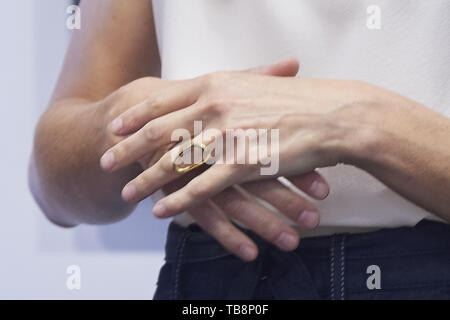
<point>131,108</point>
<point>126,98</point>
<point>314,118</point>
<point>239,202</point>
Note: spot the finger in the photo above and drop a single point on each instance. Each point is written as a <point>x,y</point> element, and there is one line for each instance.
<point>288,67</point>
<point>215,222</point>
<point>179,95</point>
<point>258,219</point>
<point>159,174</point>
<point>292,205</point>
<point>213,181</point>
<point>153,135</point>
<point>312,183</point>
<point>182,94</point>
<point>181,181</point>
<point>152,179</point>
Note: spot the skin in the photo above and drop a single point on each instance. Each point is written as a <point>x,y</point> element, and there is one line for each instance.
<point>112,66</point>
<point>322,122</point>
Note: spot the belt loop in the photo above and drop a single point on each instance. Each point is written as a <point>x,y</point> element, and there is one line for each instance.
<point>175,292</point>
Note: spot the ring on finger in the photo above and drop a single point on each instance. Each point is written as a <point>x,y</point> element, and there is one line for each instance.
<point>178,163</point>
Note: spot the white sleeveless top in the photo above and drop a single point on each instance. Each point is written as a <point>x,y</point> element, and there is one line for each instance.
<point>409,54</point>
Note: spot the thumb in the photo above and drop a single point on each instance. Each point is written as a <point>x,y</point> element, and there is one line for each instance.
<point>288,67</point>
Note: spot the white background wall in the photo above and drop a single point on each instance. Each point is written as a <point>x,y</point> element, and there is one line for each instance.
<point>120,261</point>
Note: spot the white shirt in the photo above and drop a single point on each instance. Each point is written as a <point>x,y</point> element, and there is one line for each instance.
<point>409,54</point>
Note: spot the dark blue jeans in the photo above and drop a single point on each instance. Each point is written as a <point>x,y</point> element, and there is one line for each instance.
<point>401,263</point>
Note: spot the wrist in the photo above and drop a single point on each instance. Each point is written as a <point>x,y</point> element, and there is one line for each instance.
<point>362,137</point>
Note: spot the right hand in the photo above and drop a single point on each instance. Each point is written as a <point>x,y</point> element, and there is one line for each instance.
<point>238,203</point>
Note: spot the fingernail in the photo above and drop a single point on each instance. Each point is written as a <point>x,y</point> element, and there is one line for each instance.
<point>308,219</point>
<point>129,192</point>
<point>117,125</point>
<point>159,210</point>
<point>287,241</point>
<point>248,253</point>
<point>107,162</point>
<point>319,189</point>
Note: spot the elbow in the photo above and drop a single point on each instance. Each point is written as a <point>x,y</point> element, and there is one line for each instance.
<point>63,213</point>
<point>50,211</point>
<point>92,198</point>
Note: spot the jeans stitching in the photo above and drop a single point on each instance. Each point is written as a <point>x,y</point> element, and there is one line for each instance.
<point>400,254</point>
<point>179,261</point>
<point>332,268</point>
<point>342,267</point>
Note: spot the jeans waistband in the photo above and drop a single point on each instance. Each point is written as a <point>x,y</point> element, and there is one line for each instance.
<point>199,245</point>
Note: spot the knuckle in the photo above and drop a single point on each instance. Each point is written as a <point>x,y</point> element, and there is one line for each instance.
<point>209,79</point>
<point>273,231</point>
<point>152,131</point>
<point>130,120</point>
<point>214,79</point>
<point>134,117</point>
<point>200,190</point>
<point>142,180</point>
<point>124,91</point>
<point>236,243</point>
<point>228,236</point>
<point>166,165</point>
<point>223,232</point>
<point>142,184</point>
<point>133,92</point>
<point>139,182</point>
<point>214,104</point>
<point>177,206</point>
<point>125,97</point>
<point>111,138</point>
<point>214,109</point>
<point>235,206</point>
<point>292,205</point>
<point>154,102</point>
<point>119,151</point>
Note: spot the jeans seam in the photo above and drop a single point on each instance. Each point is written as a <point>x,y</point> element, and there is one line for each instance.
<point>343,268</point>
<point>332,268</point>
<point>178,264</point>
<point>337,267</point>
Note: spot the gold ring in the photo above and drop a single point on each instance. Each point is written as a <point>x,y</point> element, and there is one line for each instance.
<point>177,167</point>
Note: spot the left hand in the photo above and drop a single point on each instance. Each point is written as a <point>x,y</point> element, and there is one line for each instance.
<point>316,120</point>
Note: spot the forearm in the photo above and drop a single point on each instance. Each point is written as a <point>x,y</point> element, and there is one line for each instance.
<point>407,147</point>
<point>65,176</point>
